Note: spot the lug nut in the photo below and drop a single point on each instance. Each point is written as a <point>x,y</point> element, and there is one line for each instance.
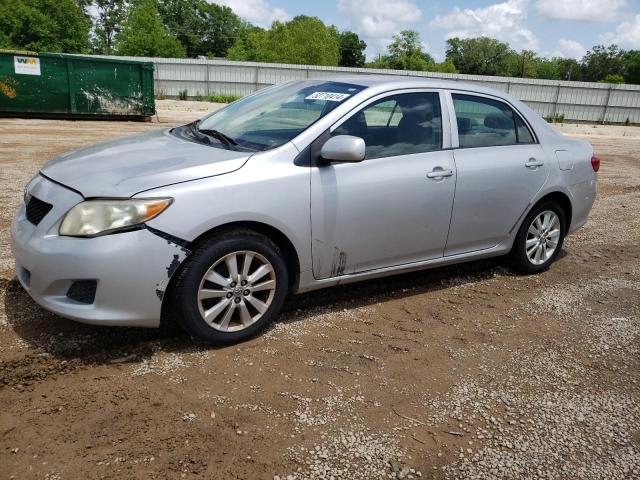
<point>237,300</point>
<point>245,293</point>
<point>233,284</point>
<point>229,295</point>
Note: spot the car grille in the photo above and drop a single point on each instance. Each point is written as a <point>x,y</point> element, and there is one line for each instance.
<point>83,291</point>
<point>37,210</point>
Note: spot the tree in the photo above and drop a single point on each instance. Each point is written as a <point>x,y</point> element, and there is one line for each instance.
<point>222,28</point>
<point>109,17</point>
<point>523,64</point>
<point>84,5</point>
<point>404,53</point>
<point>548,69</point>
<point>144,35</point>
<point>352,50</point>
<point>601,61</point>
<point>480,56</point>
<point>44,25</point>
<point>303,40</point>
<point>444,67</point>
<point>632,67</point>
<point>202,28</point>
<point>568,69</point>
<point>249,47</point>
<point>612,78</point>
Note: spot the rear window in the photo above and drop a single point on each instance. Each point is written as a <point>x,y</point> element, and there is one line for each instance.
<point>484,122</point>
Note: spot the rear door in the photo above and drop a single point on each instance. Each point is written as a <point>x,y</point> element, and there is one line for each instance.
<point>500,169</point>
<point>391,208</point>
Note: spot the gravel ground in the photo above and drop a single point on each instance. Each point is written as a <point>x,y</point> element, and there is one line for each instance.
<point>461,372</point>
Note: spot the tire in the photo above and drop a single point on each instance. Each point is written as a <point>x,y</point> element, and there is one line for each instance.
<point>534,259</point>
<point>202,306</point>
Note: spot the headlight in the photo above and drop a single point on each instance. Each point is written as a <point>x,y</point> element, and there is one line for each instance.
<point>94,217</point>
<point>27,188</point>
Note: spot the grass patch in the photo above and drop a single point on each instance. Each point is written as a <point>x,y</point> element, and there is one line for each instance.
<point>216,97</point>
<point>558,118</point>
<point>223,98</point>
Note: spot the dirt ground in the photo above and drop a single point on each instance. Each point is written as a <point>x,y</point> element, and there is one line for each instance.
<point>461,372</point>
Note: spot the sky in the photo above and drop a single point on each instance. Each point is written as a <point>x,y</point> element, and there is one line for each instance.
<point>566,28</point>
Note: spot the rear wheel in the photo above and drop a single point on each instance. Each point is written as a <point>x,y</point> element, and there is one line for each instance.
<point>540,238</point>
<point>230,288</point>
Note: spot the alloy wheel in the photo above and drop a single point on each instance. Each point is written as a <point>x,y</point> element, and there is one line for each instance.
<point>236,291</point>
<point>542,237</point>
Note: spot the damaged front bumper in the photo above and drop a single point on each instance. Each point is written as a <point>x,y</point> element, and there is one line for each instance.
<point>128,272</point>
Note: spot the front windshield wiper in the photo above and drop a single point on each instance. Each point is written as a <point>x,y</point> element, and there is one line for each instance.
<point>226,139</point>
<point>205,134</point>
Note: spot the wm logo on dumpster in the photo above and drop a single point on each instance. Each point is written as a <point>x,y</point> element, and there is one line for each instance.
<point>28,61</point>
<point>26,65</point>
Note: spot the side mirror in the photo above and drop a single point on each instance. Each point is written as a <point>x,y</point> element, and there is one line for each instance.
<point>343,148</point>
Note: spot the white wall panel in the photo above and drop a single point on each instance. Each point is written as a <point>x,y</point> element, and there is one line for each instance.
<point>581,101</point>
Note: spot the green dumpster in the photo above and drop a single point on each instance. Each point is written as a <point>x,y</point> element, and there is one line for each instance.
<point>64,85</point>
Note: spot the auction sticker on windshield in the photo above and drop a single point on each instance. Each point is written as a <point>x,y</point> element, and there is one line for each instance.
<point>329,96</point>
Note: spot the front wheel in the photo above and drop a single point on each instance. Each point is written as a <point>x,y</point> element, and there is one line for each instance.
<point>230,288</point>
<point>539,239</point>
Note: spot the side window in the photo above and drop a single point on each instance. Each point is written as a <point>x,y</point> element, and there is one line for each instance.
<point>524,134</point>
<point>484,122</point>
<point>397,125</point>
<point>380,114</point>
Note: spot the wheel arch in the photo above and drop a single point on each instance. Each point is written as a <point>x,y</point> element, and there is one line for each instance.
<point>556,196</point>
<point>291,257</point>
<point>561,199</point>
<point>276,236</point>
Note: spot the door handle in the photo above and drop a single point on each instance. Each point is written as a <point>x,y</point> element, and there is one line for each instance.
<point>533,163</point>
<point>439,173</point>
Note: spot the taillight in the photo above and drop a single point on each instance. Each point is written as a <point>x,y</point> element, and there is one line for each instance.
<point>595,163</point>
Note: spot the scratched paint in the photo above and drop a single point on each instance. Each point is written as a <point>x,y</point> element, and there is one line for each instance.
<point>171,268</point>
<point>108,102</point>
<point>339,262</point>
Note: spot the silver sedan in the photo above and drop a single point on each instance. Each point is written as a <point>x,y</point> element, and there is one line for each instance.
<point>301,186</point>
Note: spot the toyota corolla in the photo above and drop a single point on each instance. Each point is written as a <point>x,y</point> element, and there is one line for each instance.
<point>300,186</point>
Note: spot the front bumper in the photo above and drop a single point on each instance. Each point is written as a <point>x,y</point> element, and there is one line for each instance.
<point>132,269</point>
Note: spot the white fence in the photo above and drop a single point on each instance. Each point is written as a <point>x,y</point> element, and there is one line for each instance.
<point>578,101</point>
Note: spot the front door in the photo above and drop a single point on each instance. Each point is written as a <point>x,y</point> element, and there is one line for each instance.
<point>394,207</point>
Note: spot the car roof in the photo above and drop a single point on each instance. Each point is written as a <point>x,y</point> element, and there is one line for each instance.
<point>396,81</point>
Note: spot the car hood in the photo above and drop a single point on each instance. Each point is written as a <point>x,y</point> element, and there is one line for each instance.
<point>124,167</point>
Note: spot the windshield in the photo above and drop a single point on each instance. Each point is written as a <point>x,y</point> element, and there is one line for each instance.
<point>275,115</point>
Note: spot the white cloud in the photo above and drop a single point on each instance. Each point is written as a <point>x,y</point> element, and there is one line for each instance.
<point>503,21</point>
<point>259,12</point>
<point>581,10</point>
<point>379,20</point>
<point>627,34</point>
<point>570,49</point>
